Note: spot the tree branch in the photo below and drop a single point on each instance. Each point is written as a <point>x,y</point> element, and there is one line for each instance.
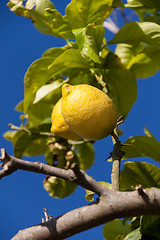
<point>74,175</point>
<point>105,209</point>
<point>116,155</point>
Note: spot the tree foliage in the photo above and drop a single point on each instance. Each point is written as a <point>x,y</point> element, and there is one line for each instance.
<point>87,58</point>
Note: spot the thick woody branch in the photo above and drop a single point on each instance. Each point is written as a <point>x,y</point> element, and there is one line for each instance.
<point>74,175</point>
<point>136,203</point>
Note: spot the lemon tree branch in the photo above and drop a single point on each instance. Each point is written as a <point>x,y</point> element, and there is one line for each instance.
<point>116,155</point>
<point>74,175</point>
<point>105,209</point>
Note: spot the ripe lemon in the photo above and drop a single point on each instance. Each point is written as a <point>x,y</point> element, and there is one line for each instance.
<point>59,126</point>
<point>88,111</point>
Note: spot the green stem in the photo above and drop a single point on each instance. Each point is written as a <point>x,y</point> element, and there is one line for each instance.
<point>29,131</point>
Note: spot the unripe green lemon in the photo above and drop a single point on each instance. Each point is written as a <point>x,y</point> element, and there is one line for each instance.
<point>88,111</point>
<point>59,126</point>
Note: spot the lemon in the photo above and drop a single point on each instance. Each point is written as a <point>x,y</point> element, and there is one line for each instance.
<point>59,126</point>
<point>88,111</point>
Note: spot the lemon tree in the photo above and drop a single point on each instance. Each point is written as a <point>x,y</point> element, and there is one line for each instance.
<point>75,95</point>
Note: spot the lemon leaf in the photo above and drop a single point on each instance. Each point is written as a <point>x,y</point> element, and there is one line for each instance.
<point>58,188</point>
<point>82,12</point>
<point>89,195</point>
<point>135,234</point>
<point>71,58</point>
<point>135,173</point>
<point>46,89</point>
<point>36,76</point>
<point>85,154</point>
<point>39,113</point>
<point>146,63</point>
<point>29,144</point>
<point>138,32</point>
<point>81,77</point>
<point>19,106</point>
<point>143,3</point>
<point>143,60</point>
<point>123,89</point>
<point>54,52</point>
<point>142,146</point>
<point>121,83</point>
<point>147,10</point>
<point>44,17</point>
<point>89,40</point>
<point>9,135</point>
<point>45,69</point>
<point>116,230</point>
<point>150,226</point>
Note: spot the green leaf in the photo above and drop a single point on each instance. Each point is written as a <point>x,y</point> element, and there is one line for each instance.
<point>39,113</point>
<point>81,77</point>
<point>133,32</point>
<point>9,135</point>
<point>118,3</point>
<point>121,84</point>
<point>19,107</point>
<point>135,173</point>
<point>89,195</point>
<point>29,143</point>
<point>47,89</point>
<point>55,155</point>
<point>82,12</point>
<point>134,235</point>
<point>142,146</point>
<point>146,4</point>
<point>150,226</point>
<point>123,89</point>
<point>141,58</point>
<point>89,42</point>
<point>128,51</point>
<point>37,75</point>
<point>43,70</point>
<point>146,63</point>
<point>71,58</point>
<point>146,9</point>
<point>44,16</point>
<point>85,154</point>
<point>54,52</point>
<point>116,230</point>
<point>152,18</point>
<point>58,188</point>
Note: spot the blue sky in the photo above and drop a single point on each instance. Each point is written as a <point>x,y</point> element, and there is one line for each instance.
<point>22,194</point>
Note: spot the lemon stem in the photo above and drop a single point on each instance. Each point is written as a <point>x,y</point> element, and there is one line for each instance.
<point>29,131</point>
<point>116,155</point>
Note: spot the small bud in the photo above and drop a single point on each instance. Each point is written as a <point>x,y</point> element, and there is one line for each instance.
<point>69,155</point>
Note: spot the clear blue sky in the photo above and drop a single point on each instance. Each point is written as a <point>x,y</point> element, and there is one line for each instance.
<point>22,194</point>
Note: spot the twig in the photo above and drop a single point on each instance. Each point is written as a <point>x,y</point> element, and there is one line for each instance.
<point>116,155</point>
<point>29,131</point>
<point>45,214</point>
<point>11,164</point>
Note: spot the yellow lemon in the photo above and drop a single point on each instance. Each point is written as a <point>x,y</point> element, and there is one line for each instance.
<point>88,111</point>
<point>59,126</point>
